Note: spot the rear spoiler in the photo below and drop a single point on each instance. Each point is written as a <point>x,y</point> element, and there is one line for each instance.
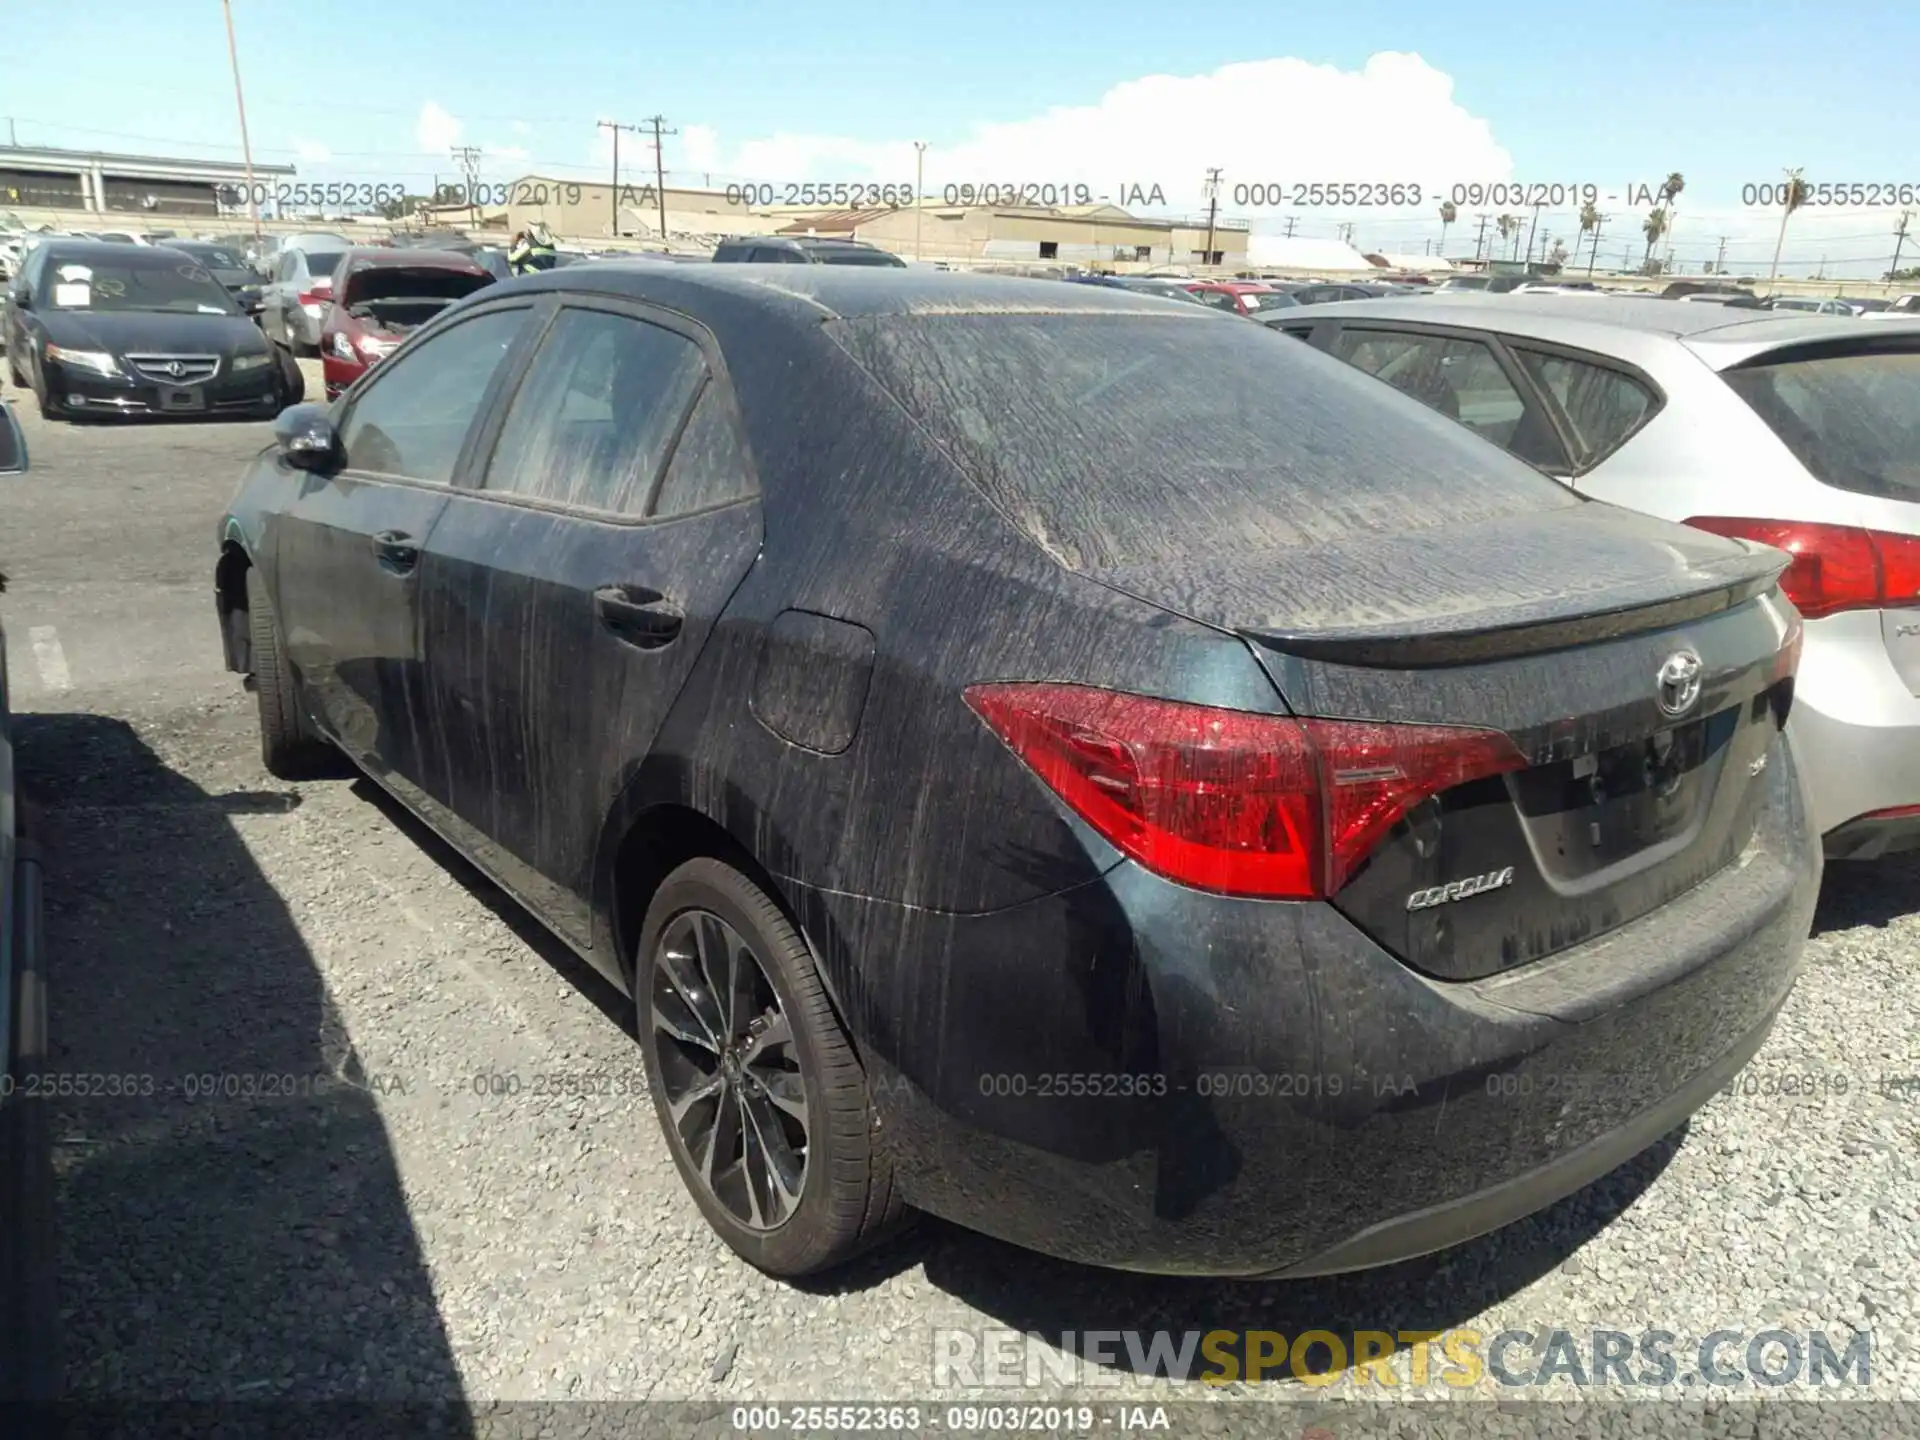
<point>1518,630</point>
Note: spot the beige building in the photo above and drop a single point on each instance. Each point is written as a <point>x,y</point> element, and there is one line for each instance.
<point>582,210</point>
<point>1092,235</point>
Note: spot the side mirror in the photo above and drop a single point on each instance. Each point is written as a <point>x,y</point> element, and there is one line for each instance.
<point>13,444</point>
<point>306,436</point>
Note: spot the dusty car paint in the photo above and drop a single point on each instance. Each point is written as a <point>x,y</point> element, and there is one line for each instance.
<point>969,926</point>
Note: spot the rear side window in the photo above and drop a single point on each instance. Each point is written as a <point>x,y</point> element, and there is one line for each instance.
<point>1603,405</point>
<point>709,465</point>
<point>1852,420</point>
<point>1124,439</point>
<point>860,257</point>
<point>592,420</point>
<point>1459,378</point>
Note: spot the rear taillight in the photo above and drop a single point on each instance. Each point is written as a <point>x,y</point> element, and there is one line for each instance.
<point>1835,567</point>
<point>1227,800</point>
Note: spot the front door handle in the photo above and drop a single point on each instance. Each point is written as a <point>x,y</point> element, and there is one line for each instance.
<point>395,551</point>
<point>639,616</point>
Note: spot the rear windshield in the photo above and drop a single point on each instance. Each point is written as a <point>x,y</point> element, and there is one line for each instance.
<point>1852,420</point>
<point>405,282</point>
<point>322,262</point>
<point>1126,438</point>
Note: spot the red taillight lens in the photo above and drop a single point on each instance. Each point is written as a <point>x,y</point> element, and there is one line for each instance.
<point>1227,800</point>
<point>1835,567</point>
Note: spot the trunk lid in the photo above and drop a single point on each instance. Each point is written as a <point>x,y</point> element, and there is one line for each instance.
<point>1623,804</point>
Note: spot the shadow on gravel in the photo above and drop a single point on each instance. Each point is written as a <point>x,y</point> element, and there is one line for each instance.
<point>1030,1292</point>
<point>535,936</point>
<point>1867,892</point>
<point>231,1222</point>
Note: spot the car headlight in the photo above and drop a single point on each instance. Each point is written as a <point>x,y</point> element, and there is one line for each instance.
<point>251,362</point>
<point>97,361</point>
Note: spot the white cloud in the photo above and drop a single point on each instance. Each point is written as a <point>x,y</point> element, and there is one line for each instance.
<point>436,130</point>
<point>504,152</point>
<point>520,127</point>
<point>1285,120</point>
<point>312,152</point>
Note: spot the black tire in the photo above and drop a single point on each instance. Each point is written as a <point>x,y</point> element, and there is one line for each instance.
<point>288,746</point>
<point>848,1200</point>
<point>39,383</point>
<point>293,381</point>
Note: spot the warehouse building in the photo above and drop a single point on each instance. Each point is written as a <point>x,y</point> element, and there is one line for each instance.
<point>99,182</point>
<point>581,208</point>
<point>1092,235</point>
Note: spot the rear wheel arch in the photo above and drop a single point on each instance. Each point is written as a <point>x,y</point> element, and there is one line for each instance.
<point>656,842</point>
<point>230,599</point>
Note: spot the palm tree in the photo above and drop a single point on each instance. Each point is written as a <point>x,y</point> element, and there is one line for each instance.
<point>1449,212</point>
<point>1509,226</point>
<point>1653,229</point>
<point>1590,220</point>
<point>1796,195</point>
<point>1670,190</point>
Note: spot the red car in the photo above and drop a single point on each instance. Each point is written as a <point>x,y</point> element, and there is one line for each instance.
<point>382,295</point>
<point>1243,297</point>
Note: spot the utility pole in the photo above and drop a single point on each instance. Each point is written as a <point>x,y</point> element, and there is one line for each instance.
<point>1720,260</point>
<point>1594,253</point>
<point>246,146</point>
<point>660,170</point>
<point>469,158</point>
<point>1480,240</point>
<point>1290,225</point>
<point>1213,207</point>
<point>13,141</point>
<point>1530,229</point>
<point>919,189</point>
<point>1786,210</point>
<point>1899,243</point>
<point>613,199</point>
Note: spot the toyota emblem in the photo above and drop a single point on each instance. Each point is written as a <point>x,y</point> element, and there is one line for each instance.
<point>176,369</point>
<point>1679,682</point>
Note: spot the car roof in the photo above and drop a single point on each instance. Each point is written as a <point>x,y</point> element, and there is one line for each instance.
<point>100,249</point>
<point>848,292</point>
<point>1540,315</point>
<point>365,257</point>
<point>1621,326</point>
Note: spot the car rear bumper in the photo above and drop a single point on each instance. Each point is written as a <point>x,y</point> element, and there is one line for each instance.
<point>252,392</point>
<point>1855,725</point>
<point>1139,1075</point>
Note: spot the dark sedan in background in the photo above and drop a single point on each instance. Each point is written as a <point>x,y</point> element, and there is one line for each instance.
<point>1062,759</point>
<point>229,266</point>
<point>100,329</point>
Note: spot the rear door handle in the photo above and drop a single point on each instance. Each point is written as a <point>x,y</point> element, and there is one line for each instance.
<point>395,551</point>
<point>641,617</point>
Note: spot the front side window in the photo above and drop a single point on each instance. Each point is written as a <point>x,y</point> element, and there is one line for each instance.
<point>413,420</point>
<point>600,404</point>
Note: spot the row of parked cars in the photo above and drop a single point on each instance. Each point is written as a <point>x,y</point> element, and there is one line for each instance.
<point>1169,792</point>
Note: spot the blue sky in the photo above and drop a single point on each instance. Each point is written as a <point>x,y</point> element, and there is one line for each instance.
<point>1727,94</point>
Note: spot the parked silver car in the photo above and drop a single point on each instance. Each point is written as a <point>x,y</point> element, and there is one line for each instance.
<point>1801,431</point>
<point>293,305</point>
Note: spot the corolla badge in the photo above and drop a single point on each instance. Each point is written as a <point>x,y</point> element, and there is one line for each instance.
<point>1460,889</point>
<point>1678,685</point>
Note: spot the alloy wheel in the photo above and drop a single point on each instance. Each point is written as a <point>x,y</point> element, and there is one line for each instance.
<point>730,1069</point>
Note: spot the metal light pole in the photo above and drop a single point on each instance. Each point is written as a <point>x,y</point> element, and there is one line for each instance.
<point>919,189</point>
<point>246,147</point>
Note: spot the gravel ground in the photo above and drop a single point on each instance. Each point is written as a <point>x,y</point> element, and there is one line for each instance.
<point>376,1229</point>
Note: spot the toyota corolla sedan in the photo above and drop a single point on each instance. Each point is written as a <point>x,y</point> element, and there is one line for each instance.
<point>97,329</point>
<point>1801,431</point>
<point>1060,759</point>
